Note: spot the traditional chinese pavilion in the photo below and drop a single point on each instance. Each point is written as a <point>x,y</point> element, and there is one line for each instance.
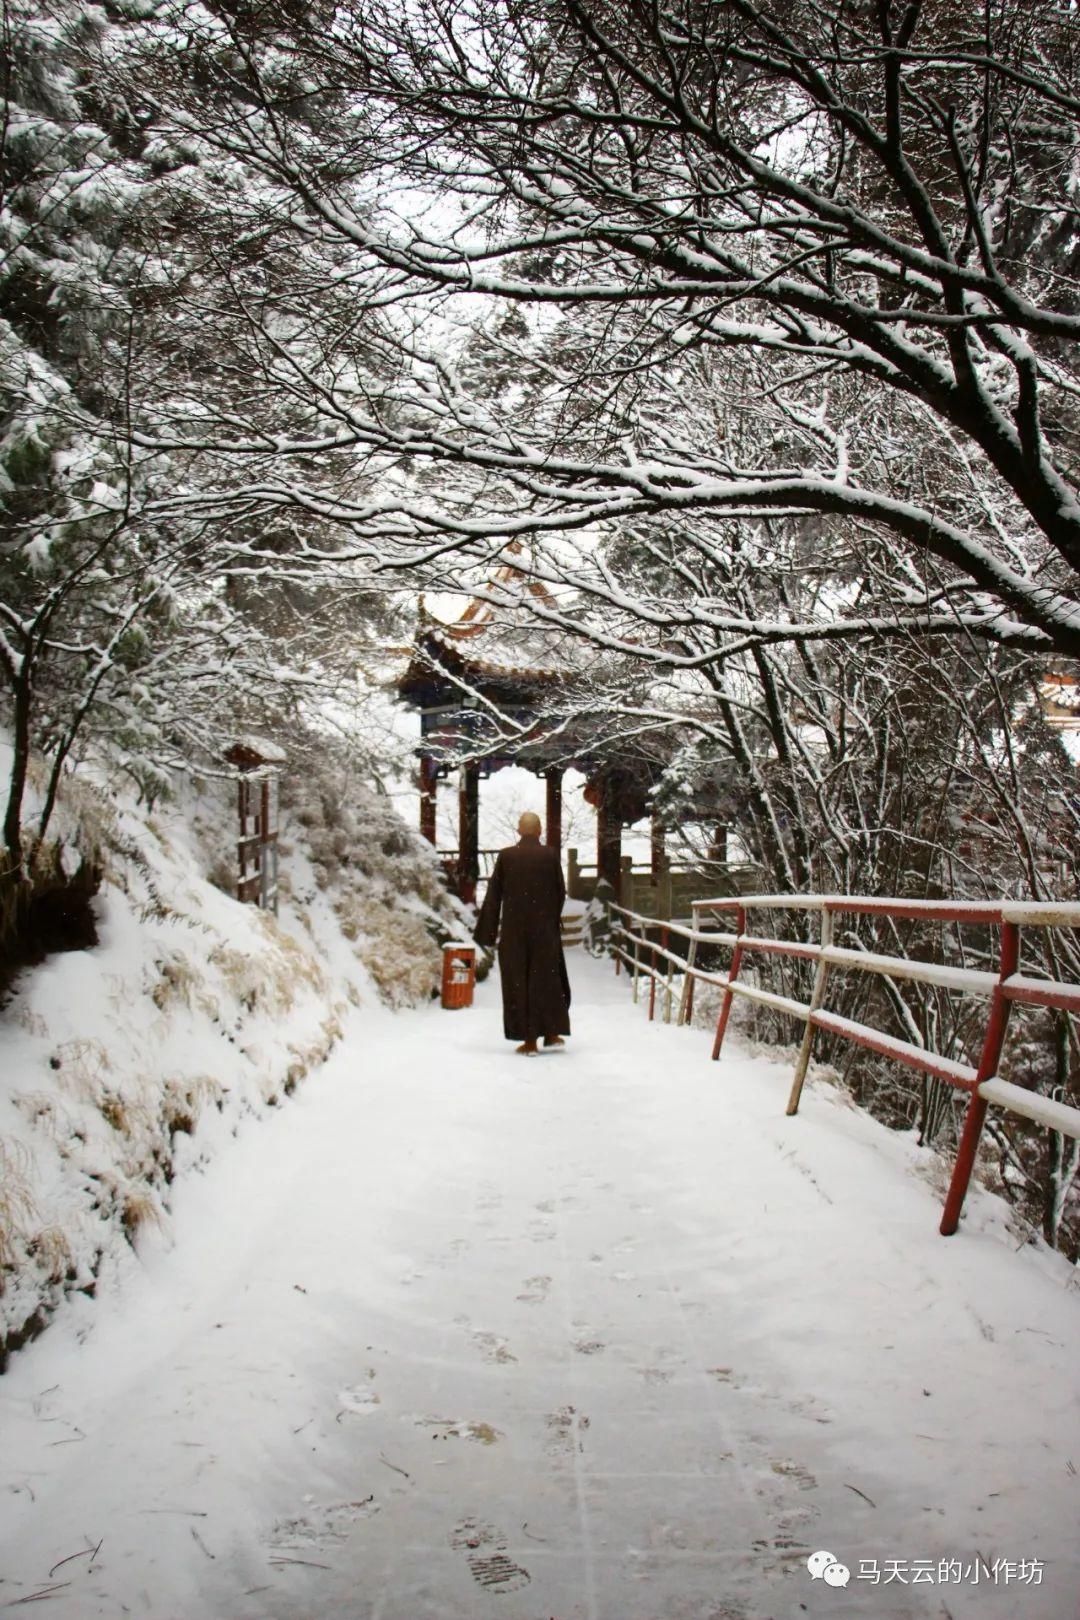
<point>494,688</point>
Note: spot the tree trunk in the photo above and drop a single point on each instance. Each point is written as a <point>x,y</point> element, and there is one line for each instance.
<point>20,762</point>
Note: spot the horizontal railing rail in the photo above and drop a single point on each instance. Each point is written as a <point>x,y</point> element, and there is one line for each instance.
<point>666,970</point>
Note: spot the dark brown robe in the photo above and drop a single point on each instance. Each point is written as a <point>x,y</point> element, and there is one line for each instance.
<point>528,891</point>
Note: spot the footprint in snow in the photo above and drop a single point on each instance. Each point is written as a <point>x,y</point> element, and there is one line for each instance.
<point>535,1290</point>
<point>483,1434</point>
<point>322,1524</point>
<point>565,1428</point>
<point>360,1400</point>
<point>493,1347</point>
<point>487,1557</point>
<point>800,1476</point>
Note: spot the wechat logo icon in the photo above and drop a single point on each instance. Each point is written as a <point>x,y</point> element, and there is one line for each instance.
<point>823,1566</point>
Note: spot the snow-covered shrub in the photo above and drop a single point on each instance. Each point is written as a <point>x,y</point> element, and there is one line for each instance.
<point>397,950</point>
<point>381,878</point>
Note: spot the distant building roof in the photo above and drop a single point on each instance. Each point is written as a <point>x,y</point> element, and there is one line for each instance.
<point>500,641</point>
<point>247,753</point>
<point>1060,692</point>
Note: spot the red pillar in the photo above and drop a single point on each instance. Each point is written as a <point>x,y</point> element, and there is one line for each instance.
<point>553,810</point>
<point>469,832</point>
<point>429,784</point>
<point>608,840</point>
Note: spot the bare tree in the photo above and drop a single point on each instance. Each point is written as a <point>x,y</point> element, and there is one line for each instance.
<point>874,198</point>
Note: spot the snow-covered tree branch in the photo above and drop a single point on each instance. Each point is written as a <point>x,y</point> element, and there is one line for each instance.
<point>723,259</point>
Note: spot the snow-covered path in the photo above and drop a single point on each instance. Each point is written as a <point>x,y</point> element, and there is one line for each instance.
<point>596,1336</point>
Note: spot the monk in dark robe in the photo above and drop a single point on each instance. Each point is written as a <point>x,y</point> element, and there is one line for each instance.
<point>527,891</point>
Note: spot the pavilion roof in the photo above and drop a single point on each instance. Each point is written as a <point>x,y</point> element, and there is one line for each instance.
<point>500,638</point>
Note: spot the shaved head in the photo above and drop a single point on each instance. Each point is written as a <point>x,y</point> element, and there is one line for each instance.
<point>529,824</point>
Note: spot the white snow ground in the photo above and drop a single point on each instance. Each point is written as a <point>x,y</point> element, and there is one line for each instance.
<point>596,1336</point>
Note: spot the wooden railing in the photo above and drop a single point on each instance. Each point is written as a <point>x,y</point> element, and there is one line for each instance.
<point>677,884</point>
<point>449,858</point>
<point>664,890</point>
<point>669,973</point>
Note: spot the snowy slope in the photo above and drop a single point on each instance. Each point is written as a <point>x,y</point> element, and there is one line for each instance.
<point>599,1336</point>
<point>125,1065</point>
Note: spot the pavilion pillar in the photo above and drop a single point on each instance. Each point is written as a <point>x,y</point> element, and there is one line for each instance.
<point>553,808</point>
<point>608,840</point>
<point>429,786</point>
<point>469,832</point>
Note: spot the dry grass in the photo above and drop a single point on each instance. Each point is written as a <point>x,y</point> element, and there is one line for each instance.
<point>155,826</point>
<point>83,1066</point>
<point>242,974</point>
<point>269,1089</point>
<point>270,980</point>
<point>395,947</point>
<point>290,963</point>
<point>385,888</point>
<point>91,811</point>
<point>310,1057</point>
<point>37,1107</point>
<point>139,1209</point>
<point>178,981</point>
<point>31,1022</point>
<point>184,1099</point>
<point>53,1253</point>
<point>85,1070</point>
<point>43,1110</point>
<point>17,1209</point>
<point>115,1112</point>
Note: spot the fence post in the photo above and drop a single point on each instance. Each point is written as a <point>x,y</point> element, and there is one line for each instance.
<point>637,967</point>
<point>729,994</point>
<point>665,941</point>
<point>686,1000</point>
<point>817,996</point>
<point>997,1023</point>
<point>652,973</point>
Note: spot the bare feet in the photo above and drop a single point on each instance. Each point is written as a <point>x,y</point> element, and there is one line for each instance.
<point>554,1040</point>
<point>527,1049</point>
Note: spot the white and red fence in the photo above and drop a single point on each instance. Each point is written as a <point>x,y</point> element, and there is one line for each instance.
<point>644,945</point>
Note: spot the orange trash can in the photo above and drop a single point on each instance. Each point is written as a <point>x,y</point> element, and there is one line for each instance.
<point>458,974</point>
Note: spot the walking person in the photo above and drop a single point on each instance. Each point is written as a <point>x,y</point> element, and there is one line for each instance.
<point>526,894</point>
